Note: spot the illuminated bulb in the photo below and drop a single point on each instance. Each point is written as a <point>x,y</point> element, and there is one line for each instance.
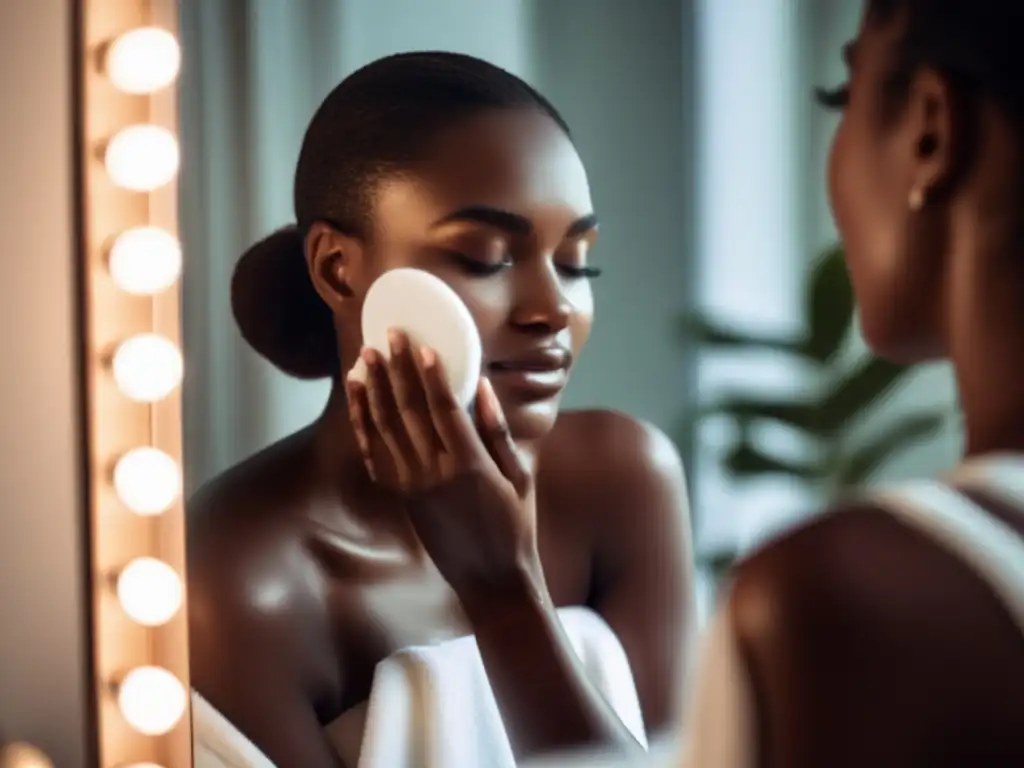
<point>22,755</point>
<point>145,260</point>
<point>152,700</point>
<point>143,60</point>
<point>142,158</point>
<point>147,481</point>
<point>147,367</point>
<point>149,591</point>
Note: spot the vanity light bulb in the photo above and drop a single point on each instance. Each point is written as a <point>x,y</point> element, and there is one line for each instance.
<point>149,591</point>
<point>145,261</point>
<point>142,158</point>
<point>22,755</point>
<point>147,367</point>
<point>143,60</point>
<point>147,481</point>
<point>152,700</point>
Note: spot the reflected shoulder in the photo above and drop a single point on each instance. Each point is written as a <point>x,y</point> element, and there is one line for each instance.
<point>620,473</point>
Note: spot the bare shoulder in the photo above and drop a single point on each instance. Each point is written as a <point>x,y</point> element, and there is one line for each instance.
<point>847,567</point>
<point>256,594</point>
<point>621,478</point>
<point>612,456</point>
<point>855,612</point>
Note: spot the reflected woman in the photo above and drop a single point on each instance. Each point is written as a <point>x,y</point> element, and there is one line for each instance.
<point>891,631</point>
<point>397,520</point>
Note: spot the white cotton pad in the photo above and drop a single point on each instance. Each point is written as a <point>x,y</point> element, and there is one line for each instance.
<point>432,315</point>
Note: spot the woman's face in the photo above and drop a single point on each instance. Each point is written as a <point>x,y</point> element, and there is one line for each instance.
<point>501,211</point>
<point>892,251</point>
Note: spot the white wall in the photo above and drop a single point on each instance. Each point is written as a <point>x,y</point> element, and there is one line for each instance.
<point>43,660</point>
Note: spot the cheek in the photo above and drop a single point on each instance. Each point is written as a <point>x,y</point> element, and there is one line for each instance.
<point>839,181</point>
<point>581,298</point>
<point>852,196</point>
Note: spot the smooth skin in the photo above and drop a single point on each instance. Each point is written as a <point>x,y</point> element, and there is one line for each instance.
<point>867,644</point>
<point>397,519</point>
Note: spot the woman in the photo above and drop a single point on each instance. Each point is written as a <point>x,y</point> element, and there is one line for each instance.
<point>891,633</point>
<point>395,519</point>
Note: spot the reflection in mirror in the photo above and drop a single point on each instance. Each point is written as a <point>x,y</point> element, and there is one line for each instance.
<point>129,163</point>
<point>333,524</point>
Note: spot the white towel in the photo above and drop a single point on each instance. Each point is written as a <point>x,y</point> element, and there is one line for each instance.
<point>432,707</point>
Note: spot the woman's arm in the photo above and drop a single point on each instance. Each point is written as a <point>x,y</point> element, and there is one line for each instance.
<point>636,502</point>
<point>466,488</point>
<point>546,701</point>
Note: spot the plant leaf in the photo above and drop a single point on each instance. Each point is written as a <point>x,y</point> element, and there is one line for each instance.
<point>865,462</point>
<point>744,410</point>
<point>854,394</point>
<point>829,306</point>
<point>703,331</point>
<point>745,461</point>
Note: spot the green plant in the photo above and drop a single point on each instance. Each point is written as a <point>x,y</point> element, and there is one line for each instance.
<point>826,416</point>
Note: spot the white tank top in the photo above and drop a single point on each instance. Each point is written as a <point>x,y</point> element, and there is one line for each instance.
<point>721,731</point>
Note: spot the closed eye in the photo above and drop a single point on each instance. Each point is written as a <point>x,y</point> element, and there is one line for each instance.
<point>478,267</point>
<point>579,273</point>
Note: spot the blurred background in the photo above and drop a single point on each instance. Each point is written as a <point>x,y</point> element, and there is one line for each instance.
<point>724,316</point>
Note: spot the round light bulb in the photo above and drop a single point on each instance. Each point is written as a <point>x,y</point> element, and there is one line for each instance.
<point>147,481</point>
<point>145,260</point>
<point>149,591</point>
<point>21,755</point>
<point>142,158</point>
<point>147,367</point>
<point>143,60</point>
<point>152,700</point>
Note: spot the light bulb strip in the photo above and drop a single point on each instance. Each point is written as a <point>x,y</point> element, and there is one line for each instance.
<point>120,425</point>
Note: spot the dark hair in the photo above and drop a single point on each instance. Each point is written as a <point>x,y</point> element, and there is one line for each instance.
<point>376,123</point>
<point>977,43</point>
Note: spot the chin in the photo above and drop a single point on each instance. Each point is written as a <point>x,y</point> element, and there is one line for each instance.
<point>894,341</point>
<point>530,422</point>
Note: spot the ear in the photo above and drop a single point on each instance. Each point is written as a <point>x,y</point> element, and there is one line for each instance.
<point>334,262</point>
<point>935,131</point>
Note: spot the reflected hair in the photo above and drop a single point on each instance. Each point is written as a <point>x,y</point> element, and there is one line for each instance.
<point>376,124</point>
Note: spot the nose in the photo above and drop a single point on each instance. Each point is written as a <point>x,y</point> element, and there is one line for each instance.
<point>540,303</point>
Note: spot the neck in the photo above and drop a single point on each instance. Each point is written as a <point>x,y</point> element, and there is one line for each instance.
<point>986,341</point>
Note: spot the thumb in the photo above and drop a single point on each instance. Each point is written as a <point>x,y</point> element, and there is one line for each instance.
<point>498,440</point>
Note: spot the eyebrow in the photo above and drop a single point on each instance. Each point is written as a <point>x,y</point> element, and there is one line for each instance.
<point>507,221</point>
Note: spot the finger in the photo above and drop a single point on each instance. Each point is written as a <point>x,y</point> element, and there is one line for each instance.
<point>358,414</point>
<point>452,423</point>
<point>494,432</point>
<point>411,400</point>
<point>385,417</point>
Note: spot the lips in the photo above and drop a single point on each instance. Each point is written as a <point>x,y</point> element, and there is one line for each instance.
<point>537,374</point>
<point>544,360</point>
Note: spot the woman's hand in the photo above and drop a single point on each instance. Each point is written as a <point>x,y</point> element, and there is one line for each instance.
<point>468,492</point>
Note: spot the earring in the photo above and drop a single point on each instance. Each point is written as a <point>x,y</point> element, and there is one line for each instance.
<point>916,199</point>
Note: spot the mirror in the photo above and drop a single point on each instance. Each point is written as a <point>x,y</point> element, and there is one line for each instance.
<point>448,163</point>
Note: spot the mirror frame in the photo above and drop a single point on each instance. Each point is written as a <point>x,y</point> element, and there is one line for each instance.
<point>117,424</point>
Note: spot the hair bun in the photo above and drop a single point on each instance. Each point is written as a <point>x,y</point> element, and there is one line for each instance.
<point>278,311</point>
